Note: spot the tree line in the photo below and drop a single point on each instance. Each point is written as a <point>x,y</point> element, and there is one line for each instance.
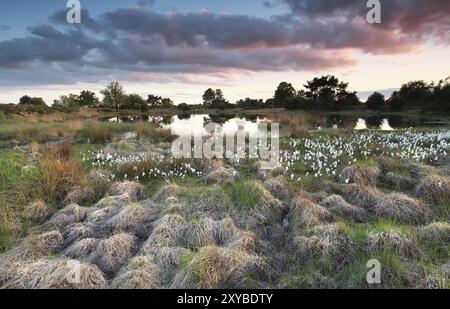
<point>325,93</point>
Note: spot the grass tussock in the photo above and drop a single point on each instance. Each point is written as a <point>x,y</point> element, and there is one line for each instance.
<point>81,249</point>
<point>367,176</point>
<point>56,274</point>
<point>403,209</point>
<point>340,208</point>
<point>364,196</point>
<point>133,189</point>
<point>215,267</point>
<point>139,273</point>
<point>304,213</point>
<point>435,190</point>
<point>113,252</point>
<point>222,175</point>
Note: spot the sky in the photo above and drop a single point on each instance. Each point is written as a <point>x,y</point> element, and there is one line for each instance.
<point>179,48</point>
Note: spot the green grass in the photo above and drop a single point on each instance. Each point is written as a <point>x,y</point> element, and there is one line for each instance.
<point>245,194</point>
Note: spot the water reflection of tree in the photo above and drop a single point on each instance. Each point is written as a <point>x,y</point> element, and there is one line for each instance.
<point>184,116</point>
<point>166,120</point>
<point>374,122</point>
<point>221,118</point>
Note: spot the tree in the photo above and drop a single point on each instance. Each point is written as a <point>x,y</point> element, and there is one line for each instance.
<point>415,93</point>
<point>67,102</point>
<point>25,100</point>
<point>327,92</point>
<point>88,98</point>
<point>396,102</point>
<point>154,101</point>
<point>184,107</point>
<point>166,103</point>
<point>284,92</point>
<point>113,95</point>
<point>376,101</point>
<point>209,96</point>
<point>135,101</point>
<point>31,101</point>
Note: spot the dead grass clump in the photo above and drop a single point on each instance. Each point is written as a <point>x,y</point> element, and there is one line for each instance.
<point>401,244</point>
<point>220,268</point>
<point>339,207</point>
<point>261,173</point>
<point>40,245</point>
<point>78,231</point>
<point>199,233</point>
<point>222,175</point>
<point>225,231</point>
<point>171,190</point>
<point>360,175</point>
<point>304,213</point>
<point>113,201</point>
<point>278,187</point>
<point>113,252</point>
<point>169,260</point>
<point>77,195</point>
<point>364,196</point>
<point>245,241</point>
<point>329,187</point>
<point>133,218</point>
<point>325,242</point>
<point>37,212</point>
<point>81,249</point>
<point>400,182</point>
<point>419,171</point>
<point>57,274</point>
<point>435,190</point>
<point>140,273</point>
<point>133,189</point>
<point>403,209</point>
<point>67,216</point>
<point>167,232</point>
<point>437,233</point>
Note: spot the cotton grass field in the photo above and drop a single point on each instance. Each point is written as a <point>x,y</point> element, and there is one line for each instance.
<point>108,202</point>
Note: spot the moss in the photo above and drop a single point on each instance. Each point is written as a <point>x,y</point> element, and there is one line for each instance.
<point>186,258</point>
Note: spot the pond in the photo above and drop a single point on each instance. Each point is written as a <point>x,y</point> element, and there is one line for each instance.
<point>290,122</point>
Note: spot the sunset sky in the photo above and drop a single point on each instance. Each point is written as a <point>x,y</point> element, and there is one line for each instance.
<point>178,48</point>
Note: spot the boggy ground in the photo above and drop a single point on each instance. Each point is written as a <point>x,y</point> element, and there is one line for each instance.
<point>122,214</point>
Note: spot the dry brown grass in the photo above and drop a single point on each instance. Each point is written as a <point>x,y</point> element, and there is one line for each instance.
<point>222,175</point>
<point>81,249</point>
<point>139,273</point>
<point>304,213</point>
<point>367,176</point>
<point>340,208</point>
<point>364,196</point>
<point>402,244</point>
<point>435,190</point>
<point>113,252</point>
<point>403,209</point>
<point>69,215</point>
<point>400,182</point>
<point>56,274</point>
<point>325,243</point>
<point>221,268</point>
<point>134,219</point>
<point>133,189</point>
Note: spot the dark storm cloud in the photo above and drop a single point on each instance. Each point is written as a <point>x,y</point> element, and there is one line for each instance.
<point>314,36</point>
<point>406,15</point>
